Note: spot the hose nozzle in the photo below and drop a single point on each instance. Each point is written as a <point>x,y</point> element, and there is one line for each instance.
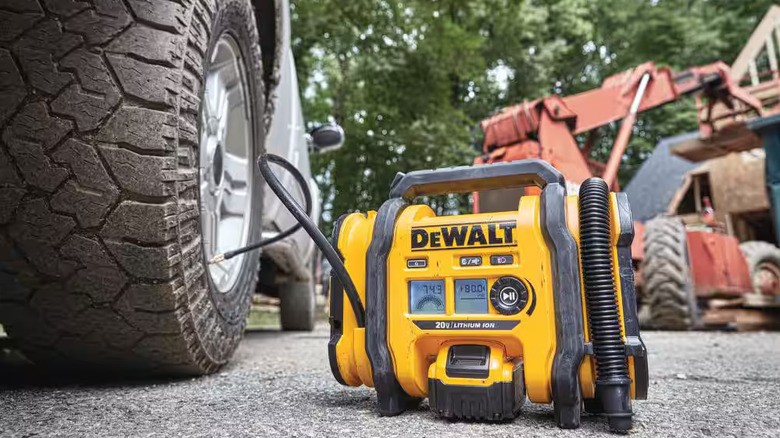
<point>217,259</point>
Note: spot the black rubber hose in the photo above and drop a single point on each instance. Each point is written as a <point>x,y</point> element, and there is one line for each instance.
<point>288,232</point>
<point>311,229</point>
<point>303,221</point>
<point>613,384</point>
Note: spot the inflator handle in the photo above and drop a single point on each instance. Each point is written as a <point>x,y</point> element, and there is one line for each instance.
<point>466,179</point>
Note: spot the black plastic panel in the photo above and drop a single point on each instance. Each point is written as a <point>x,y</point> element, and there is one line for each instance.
<point>634,345</point>
<point>567,297</point>
<point>391,398</point>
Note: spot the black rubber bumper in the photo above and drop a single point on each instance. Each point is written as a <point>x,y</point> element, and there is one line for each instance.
<point>634,345</point>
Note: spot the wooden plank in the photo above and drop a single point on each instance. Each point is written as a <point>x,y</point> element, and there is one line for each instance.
<point>734,138</point>
<point>755,43</point>
<point>777,40</point>
<point>692,219</point>
<point>737,184</point>
<point>770,52</point>
<point>766,92</point>
<point>753,72</point>
<point>674,204</point>
<point>742,319</point>
<point>730,227</point>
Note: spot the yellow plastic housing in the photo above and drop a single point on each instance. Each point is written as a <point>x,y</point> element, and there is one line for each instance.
<point>419,354</point>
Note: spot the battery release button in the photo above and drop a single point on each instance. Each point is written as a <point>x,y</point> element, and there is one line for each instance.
<point>468,361</point>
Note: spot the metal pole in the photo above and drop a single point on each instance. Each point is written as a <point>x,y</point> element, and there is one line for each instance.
<point>621,142</point>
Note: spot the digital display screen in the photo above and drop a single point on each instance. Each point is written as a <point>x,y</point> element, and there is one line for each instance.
<point>471,296</point>
<point>426,296</point>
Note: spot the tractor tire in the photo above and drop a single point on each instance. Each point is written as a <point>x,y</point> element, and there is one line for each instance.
<point>297,306</point>
<point>102,257</point>
<point>763,260</point>
<point>666,274</point>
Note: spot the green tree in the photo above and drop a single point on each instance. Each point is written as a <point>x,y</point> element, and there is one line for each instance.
<point>410,81</point>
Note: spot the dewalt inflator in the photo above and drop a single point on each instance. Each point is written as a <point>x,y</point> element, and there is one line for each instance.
<point>479,311</point>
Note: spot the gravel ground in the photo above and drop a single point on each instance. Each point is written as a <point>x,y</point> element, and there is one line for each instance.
<point>702,384</point>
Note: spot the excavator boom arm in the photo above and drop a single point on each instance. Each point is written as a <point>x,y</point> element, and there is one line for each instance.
<point>546,128</point>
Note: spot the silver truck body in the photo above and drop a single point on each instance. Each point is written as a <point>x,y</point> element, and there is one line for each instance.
<point>287,138</point>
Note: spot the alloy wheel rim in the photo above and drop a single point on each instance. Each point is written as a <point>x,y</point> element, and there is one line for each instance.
<point>225,161</point>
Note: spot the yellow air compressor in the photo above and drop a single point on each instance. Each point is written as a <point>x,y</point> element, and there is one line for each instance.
<point>478,312</point>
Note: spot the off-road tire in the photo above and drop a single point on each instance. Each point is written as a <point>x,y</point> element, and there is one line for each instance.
<point>297,306</point>
<point>101,259</point>
<point>757,253</point>
<point>666,276</point>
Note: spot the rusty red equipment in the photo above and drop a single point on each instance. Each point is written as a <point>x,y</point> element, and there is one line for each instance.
<point>546,128</point>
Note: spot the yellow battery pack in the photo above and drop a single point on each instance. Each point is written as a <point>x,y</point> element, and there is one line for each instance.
<point>478,312</point>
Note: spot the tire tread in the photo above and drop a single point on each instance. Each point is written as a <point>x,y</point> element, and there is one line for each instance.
<point>757,252</point>
<point>100,251</point>
<point>667,280</point>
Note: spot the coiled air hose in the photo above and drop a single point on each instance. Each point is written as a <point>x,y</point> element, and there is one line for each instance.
<point>305,222</point>
<point>613,384</point>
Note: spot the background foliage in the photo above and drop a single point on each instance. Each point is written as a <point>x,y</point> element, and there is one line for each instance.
<point>410,80</point>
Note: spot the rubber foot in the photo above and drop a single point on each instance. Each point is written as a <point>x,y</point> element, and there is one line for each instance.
<point>620,424</point>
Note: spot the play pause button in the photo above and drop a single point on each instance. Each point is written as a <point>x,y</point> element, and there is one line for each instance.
<point>508,295</point>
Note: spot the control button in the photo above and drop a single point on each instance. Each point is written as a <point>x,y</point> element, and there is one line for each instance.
<point>508,295</point>
<point>416,263</point>
<point>471,261</point>
<point>506,259</point>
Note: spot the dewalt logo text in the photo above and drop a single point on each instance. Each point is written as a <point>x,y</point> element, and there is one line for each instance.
<point>482,235</point>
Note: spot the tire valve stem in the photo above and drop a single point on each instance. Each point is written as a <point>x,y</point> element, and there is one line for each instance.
<point>219,258</point>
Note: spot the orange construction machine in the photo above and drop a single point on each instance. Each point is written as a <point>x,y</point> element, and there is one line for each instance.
<point>547,129</point>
